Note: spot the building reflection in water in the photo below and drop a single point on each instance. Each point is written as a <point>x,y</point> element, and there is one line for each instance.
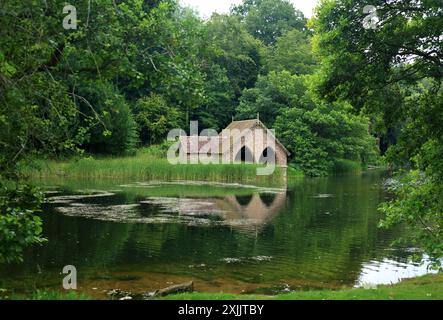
<point>251,212</point>
<point>247,212</point>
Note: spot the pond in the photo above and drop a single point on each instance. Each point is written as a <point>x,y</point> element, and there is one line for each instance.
<point>313,234</point>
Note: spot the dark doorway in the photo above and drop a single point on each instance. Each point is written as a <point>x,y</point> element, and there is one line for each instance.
<point>268,156</point>
<point>244,155</point>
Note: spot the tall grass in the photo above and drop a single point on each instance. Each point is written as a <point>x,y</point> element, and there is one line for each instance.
<point>148,168</point>
<point>346,166</point>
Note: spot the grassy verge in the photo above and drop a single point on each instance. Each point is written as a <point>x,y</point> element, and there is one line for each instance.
<point>148,167</point>
<point>429,287</point>
<point>47,295</point>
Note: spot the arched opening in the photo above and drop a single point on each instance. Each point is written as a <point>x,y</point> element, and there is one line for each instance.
<point>244,155</point>
<point>243,200</point>
<point>268,156</point>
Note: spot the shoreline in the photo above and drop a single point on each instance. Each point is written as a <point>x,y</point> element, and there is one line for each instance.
<point>427,287</point>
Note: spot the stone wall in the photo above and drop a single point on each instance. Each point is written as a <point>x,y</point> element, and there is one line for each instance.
<point>256,140</point>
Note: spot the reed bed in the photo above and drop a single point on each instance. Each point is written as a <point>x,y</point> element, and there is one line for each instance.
<point>147,168</point>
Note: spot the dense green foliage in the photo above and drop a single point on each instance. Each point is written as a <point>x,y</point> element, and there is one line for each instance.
<point>393,72</point>
<point>319,136</point>
<point>231,61</point>
<point>19,224</point>
<point>267,20</point>
<point>115,117</point>
<point>155,118</point>
<point>317,133</point>
<point>132,71</point>
<point>292,52</point>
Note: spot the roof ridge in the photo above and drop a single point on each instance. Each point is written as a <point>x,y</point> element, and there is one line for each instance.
<point>244,120</point>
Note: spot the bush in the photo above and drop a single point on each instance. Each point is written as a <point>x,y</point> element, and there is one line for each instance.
<point>317,137</point>
<point>19,224</point>
<point>417,205</point>
<point>112,129</point>
<point>155,118</point>
<point>346,166</point>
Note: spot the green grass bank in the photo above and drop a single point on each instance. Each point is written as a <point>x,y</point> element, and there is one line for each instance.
<point>150,164</point>
<point>429,287</point>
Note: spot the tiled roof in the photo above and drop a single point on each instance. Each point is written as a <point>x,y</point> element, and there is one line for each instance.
<point>242,125</point>
<point>194,144</point>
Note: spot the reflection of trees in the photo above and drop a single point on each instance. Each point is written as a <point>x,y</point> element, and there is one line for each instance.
<point>78,241</point>
<point>91,246</point>
<point>330,238</point>
<point>324,239</point>
<point>312,238</point>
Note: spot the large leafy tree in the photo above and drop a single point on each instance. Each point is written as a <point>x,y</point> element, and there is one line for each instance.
<point>120,134</point>
<point>142,49</point>
<point>317,133</point>
<point>231,62</point>
<point>69,90</point>
<point>37,116</point>
<point>161,48</point>
<point>155,117</point>
<point>220,99</point>
<point>405,45</point>
<point>136,47</point>
<point>269,19</point>
<point>292,52</point>
<point>321,136</point>
<point>231,47</point>
<point>272,94</point>
<point>399,54</point>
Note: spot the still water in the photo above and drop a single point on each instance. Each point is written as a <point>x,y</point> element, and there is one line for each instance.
<point>312,234</point>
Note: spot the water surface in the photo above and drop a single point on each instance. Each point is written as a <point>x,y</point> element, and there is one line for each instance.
<point>313,234</point>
